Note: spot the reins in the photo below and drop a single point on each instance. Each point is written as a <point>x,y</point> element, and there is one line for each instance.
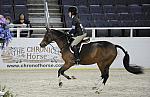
<point>65,45</point>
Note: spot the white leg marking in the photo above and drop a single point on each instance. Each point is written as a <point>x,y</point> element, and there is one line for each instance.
<point>59,80</point>
<point>97,83</point>
<point>101,87</point>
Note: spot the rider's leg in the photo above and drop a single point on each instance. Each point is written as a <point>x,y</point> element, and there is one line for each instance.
<point>76,53</point>
<point>78,39</point>
<point>74,44</point>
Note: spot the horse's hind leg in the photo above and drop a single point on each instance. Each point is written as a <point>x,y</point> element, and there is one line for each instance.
<point>104,76</point>
<point>104,68</point>
<point>100,80</point>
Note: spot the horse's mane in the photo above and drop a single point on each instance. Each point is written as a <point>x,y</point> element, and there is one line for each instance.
<point>59,33</point>
<point>66,38</point>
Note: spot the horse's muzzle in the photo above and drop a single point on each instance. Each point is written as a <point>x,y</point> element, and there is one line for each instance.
<point>42,45</point>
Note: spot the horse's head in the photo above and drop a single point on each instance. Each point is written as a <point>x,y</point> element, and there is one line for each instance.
<point>54,35</point>
<point>48,38</point>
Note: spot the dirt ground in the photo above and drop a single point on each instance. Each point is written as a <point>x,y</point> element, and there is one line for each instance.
<point>44,83</point>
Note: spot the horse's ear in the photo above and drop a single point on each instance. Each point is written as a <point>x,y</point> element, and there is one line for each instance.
<point>47,28</point>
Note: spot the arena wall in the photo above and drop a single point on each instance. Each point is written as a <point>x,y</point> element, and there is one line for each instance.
<point>26,53</point>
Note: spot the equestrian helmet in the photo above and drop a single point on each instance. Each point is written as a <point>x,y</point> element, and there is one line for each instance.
<point>73,10</point>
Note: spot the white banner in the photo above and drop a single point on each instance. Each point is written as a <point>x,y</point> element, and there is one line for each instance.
<point>27,53</point>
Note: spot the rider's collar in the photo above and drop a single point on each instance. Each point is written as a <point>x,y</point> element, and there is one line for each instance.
<point>73,16</point>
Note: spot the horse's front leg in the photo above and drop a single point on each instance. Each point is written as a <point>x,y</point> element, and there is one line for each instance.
<point>61,72</point>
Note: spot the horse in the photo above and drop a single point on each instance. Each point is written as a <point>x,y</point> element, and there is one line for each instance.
<point>101,52</point>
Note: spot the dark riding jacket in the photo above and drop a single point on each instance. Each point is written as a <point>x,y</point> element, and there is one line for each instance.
<point>77,28</point>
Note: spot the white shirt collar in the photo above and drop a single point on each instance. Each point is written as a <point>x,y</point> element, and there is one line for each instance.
<point>72,16</point>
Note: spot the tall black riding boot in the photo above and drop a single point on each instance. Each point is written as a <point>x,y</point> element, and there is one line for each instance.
<point>76,54</point>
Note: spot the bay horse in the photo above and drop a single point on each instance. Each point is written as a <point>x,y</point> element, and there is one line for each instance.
<point>101,52</point>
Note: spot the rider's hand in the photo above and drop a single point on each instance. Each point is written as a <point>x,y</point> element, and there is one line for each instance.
<point>69,34</point>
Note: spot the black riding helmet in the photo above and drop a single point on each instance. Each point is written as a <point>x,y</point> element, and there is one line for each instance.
<point>73,10</point>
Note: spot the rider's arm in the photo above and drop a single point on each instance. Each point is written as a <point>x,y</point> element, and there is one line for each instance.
<point>73,30</point>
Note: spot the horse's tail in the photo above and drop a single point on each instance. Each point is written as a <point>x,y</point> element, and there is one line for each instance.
<point>132,69</point>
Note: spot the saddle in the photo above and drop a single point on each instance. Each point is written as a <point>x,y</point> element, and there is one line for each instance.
<point>85,40</point>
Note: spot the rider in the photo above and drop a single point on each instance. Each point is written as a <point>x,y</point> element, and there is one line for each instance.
<point>76,32</point>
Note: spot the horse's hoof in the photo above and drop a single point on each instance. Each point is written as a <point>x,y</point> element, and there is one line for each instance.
<point>68,78</point>
<point>97,92</point>
<point>73,77</point>
<point>60,84</point>
<point>94,88</point>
